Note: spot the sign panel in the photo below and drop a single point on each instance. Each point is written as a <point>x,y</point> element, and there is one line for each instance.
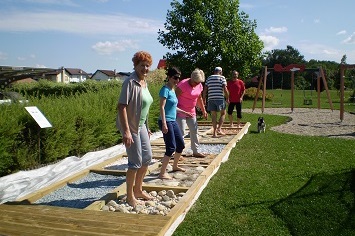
<point>38,117</point>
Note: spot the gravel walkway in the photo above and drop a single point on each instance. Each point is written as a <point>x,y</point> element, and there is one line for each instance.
<point>313,122</point>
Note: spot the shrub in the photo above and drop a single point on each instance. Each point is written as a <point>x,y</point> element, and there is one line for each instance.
<point>250,94</point>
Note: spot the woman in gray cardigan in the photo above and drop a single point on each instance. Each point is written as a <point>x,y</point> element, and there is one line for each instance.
<point>133,109</point>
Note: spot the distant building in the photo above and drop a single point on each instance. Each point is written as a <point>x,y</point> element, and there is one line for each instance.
<point>162,64</point>
<point>101,75</point>
<point>107,75</point>
<point>67,75</point>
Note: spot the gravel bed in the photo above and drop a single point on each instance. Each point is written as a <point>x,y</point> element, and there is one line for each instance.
<point>206,148</point>
<point>312,122</point>
<point>122,164</point>
<point>92,187</point>
<point>83,192</point>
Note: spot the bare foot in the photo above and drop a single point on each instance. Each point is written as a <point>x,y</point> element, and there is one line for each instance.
<point>231,125</point>
<point>182,158</point>
<point>221,132</point>
<point>215,136</point>
<point>200,155</point>
<point>143,194</point>
<point>133,202</point>
<point>178,169</point>
<point>165,176</point>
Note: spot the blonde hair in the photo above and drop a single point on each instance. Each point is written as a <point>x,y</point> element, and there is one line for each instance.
<point>142,56</point>
<point>198,76</point>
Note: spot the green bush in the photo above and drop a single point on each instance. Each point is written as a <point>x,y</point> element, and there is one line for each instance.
<point>83,119</point>
<point>250,94</point>
<point>82,115</point>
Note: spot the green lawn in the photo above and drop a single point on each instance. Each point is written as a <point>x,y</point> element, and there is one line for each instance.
<point>282,98</point>
<point>279,184</point>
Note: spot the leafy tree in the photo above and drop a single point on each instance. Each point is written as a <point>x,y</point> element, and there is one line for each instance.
<point>330,69</point>
<point>210,33</point>
<point>284,57</point>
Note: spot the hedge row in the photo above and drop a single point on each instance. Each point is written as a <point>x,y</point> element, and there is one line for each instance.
<point>81,122</point>
<point>82,116</point>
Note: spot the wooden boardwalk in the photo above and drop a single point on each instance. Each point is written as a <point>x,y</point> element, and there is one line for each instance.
<point>25,218</point>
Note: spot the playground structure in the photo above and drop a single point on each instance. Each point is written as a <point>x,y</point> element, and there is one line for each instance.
<point>9,74</point>
<point>343,68</point>
<point>293,68</point>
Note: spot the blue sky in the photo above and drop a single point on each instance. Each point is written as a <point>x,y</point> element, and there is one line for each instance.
<point>104,34</point>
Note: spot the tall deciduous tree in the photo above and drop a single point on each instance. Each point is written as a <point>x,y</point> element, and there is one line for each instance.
<point>210,33</point>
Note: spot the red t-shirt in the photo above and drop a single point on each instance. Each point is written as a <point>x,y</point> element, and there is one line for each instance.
<point>236,89</point>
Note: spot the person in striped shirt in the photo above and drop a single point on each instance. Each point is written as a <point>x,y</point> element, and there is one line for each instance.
<point>217,96</point>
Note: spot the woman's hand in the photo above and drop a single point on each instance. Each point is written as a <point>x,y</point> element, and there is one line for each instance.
<point>189,114</point>
<point>164,128</point>
<point>127,139</point>
<point>205,115</point>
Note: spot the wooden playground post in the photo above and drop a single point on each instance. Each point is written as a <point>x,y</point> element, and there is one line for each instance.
<point>326,89</point>
<point>258,90</point>
<point>264,89</point>
<point>318,91</point>
<point>293,86</point>
<point>342,68</point>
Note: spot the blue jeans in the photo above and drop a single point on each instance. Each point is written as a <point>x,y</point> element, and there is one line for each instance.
<point>173,138</point>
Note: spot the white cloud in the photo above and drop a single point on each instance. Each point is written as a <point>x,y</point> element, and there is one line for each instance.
<point>270,42</point>
<point>53,2</point>
<point>3,56</point>
<point>314,48</point>
<point>350,39</point>
<point>316,21</point>
<point>341,32</point>
<point>40,66</point>
<point>107,48</point>
<point>276,29</point>
<point>79,23</point>
<point>246,6</point>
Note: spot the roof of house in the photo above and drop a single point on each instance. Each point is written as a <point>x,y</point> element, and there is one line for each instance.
<point>162,64</point>
<point>75,71</point>
<point>107,72</point>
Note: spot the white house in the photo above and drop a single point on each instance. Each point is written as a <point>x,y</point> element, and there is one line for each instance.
<point>106,75</point>
<point>67,75</point>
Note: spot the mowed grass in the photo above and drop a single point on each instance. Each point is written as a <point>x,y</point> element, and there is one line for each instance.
<point>282,98</point>
<point>278,184</point>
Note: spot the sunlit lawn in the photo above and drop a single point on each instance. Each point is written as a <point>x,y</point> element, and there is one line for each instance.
<point>280,184</point>
<point>282,98</point>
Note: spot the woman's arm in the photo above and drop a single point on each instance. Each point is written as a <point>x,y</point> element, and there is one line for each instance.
<point>201,105</point>
<point>126,136</point>
<point>164,127</point>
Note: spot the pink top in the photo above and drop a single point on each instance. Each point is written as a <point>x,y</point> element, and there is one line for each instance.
<point>188,98</point>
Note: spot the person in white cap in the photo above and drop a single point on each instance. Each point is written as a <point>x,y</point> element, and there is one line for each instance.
<point>217,97</point>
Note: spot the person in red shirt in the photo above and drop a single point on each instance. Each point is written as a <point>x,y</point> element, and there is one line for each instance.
<point>236,88</point>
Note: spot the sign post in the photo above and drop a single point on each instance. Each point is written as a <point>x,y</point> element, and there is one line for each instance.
<point>42,123</point>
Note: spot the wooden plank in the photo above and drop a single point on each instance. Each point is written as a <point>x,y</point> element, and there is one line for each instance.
<point>70,215</point>
<point>149,188</point>
<point>109,172</point>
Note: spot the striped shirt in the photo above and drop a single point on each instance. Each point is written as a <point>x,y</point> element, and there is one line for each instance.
<point>215,84</point>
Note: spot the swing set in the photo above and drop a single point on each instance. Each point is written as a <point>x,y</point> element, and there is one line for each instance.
<point>343,68</point>
<point>292,68</point>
